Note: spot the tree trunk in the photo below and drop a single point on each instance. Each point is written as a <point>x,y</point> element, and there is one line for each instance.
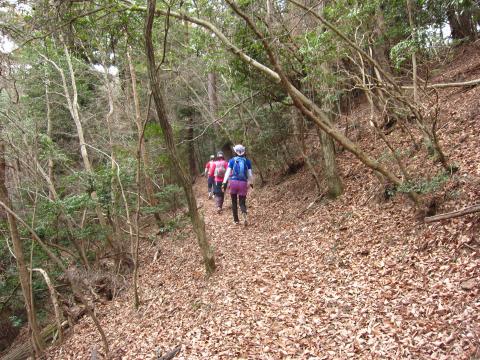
<point>381,49</point>
<point>49,134</point>
<point>149,187</point>
<point>197,219</point>
<point>410,8</point>
<point>72,102</point>
<point>136,295</point>
<point>334,182</point>
<point>19,256</point>
<point>192,164</point>
<point>288,157</point>
<point>54,298</point>
<point>198,156</point>
<point>298,126</point>
<point>329,164</point>
<point>461,23</point>
<point>212,100</point>
<point>332,177</point>
<point>212,93</point>
<point>112,213</point>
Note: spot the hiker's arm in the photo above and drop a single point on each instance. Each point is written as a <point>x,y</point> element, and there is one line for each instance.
<point>228,172</point>
<point>227,175</point>
<point>249,172</point>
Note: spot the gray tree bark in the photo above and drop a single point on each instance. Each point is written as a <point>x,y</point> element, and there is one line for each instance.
<point>23,273</point>
<point>334,182</point>
<point>212,101</point>
<point>149,187</point>
<point>73,107</point>
<point>297,120</point>
<point>164,122</point>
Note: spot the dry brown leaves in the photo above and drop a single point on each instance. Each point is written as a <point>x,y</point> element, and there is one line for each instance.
<point>352,278</point>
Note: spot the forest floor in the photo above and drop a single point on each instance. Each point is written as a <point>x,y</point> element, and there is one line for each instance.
<point>358,277</point>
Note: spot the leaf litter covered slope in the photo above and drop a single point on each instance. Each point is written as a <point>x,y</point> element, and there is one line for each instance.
<point>353,278</point>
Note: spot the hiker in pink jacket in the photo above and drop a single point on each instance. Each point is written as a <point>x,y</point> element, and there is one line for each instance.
<point>219,169</point>
<point>209,175</point>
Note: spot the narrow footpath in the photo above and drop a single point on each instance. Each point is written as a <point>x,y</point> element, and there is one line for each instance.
<point>342,280</point>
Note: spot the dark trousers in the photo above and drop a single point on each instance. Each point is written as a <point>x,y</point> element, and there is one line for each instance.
<point>243,205</point>
<point>219,194</point>
<point>210,182</point>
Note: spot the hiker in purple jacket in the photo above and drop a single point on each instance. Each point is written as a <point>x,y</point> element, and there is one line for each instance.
<point>239,176</point>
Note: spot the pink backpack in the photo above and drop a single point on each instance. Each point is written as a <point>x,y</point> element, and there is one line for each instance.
<point>220,169</point>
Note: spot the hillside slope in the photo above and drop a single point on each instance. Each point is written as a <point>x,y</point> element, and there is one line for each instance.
<point>352,278</point>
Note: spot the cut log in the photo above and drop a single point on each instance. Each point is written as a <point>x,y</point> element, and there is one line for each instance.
<point>454,214</point>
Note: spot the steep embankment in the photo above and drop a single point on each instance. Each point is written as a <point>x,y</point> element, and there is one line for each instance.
<point>351,278</point>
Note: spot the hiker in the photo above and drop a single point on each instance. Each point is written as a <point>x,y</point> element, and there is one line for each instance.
<point>239,175</point>
<point>209,174</point>
<point>219,169</point>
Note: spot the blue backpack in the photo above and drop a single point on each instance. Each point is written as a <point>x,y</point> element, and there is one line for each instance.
<point>240,168</point>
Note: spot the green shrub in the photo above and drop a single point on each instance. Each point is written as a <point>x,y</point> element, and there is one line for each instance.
<point>423,186</point>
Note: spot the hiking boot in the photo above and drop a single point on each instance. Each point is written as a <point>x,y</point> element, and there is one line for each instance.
<point>245,220</point>
<point>210,195</point>
<point>236,222</point>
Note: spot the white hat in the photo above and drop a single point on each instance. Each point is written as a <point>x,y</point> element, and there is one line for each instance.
<point>239,149</point>
<point>212,156</point>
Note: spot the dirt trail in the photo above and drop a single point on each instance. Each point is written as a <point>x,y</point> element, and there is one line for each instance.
<point>356,278</point>
<point>298,288</point>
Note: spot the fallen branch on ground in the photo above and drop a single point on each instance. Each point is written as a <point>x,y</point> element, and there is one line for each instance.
<point>449,85</point>
<point>317,199</point>
<point>140,234</point>
<point>171,354</point>
<point>468,210</point>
